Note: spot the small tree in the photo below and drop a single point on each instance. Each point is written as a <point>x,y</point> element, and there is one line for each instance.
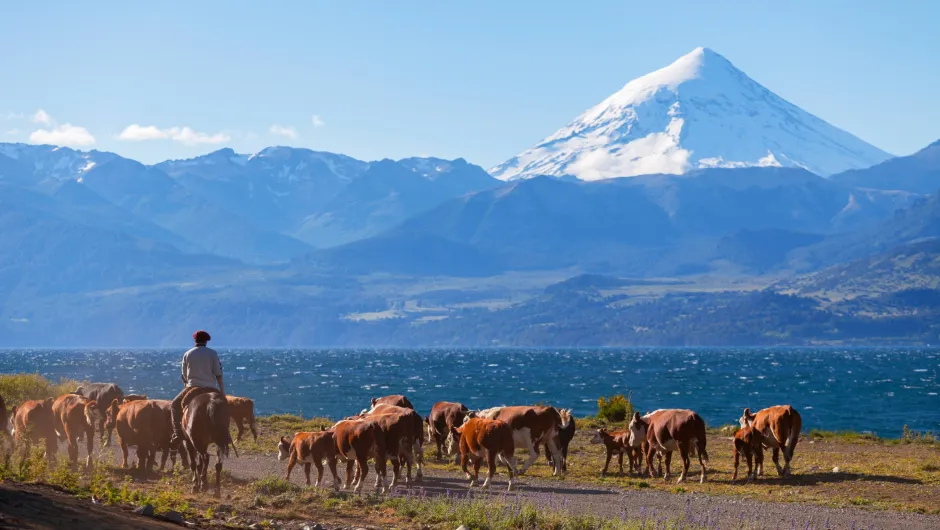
<point>615,408</point>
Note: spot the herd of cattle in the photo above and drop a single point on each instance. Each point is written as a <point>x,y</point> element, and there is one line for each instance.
<point>391,431</point>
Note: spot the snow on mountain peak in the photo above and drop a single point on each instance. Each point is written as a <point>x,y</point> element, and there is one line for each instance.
<point>700,111</point>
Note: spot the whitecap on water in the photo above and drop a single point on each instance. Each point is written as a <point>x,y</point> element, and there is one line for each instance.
<point>240,368</point>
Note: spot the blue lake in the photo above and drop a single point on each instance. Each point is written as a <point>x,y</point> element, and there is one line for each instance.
<point>877,390</point>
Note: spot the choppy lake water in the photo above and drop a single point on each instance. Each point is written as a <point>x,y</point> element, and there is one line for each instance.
<point>877,390</point>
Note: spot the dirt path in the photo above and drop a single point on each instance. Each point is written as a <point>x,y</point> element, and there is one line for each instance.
<point>708,511</point>
<point>701,510</point>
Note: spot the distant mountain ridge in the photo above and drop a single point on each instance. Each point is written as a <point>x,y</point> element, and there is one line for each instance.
<point>699,112</point>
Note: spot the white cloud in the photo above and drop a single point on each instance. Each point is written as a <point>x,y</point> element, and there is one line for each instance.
<point>65,134</point>
<point>185,135</point>
<point>136,133</point>
<point>280,130</point>
<point>43,117</point>
<point>317,122</point>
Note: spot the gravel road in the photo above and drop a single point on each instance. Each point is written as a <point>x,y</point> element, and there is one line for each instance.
<point>704,511</point>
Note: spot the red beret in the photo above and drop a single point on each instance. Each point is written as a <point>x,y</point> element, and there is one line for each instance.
<point>201,337</point>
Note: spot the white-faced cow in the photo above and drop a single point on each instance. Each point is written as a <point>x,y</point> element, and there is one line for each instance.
<point>672,430</point>
<point>443,418</point>
<point>780,427</point>
<point>531,426</point>
<point>481,438</point>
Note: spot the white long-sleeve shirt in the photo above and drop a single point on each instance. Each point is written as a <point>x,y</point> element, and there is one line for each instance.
<point>201,367</point>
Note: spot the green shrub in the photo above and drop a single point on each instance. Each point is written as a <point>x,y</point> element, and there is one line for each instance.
<point>17,388</point>
<point>615,408</point>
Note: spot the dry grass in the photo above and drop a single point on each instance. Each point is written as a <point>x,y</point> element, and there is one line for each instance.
<point>17,388</point>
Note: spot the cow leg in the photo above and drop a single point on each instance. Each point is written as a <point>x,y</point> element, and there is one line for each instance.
<point>396,471</point>
<point>649,462</point>
<point>382,471</point>
<point>307,473</point>
<point>684,454</point>
<point>440,446</point>
<point>319,464</point>
<point>758,460</point>
<point>349,473</point>
<point>491,468</point>
<point>291,462</point>
<point>668,459</point>
<point>557,458</point>
<point>477,462</point>
<point>606,463</point>
<point>750,467</point>
<point>123,454</point>
<point>511,465</point>
<point>620,461</point>
<point>254,429</point>
<point>89,445</point>
<point>331,461</point>
<point>418,455</point>
<point>737,461</point>
<point>362,469</point>
<point>464,461</point>
<point>52,447</point>
<point>241,430</point>
<point>72,448</point>
<point>776,457</point>
<point>533,455</point>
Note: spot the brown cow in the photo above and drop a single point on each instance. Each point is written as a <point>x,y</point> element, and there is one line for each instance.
<point>242,411</point>
<point>492,439</point>
<point>399,426</point>
<point>531,426</point>
<point>444,417</point>
<point>780,427</point>
<point>671,430</point>
<point>34,420</point>
<point>356,441</point>
<point>206,421</point>
<point>616,443</point>
<point>748,441</point>
<point>140,424</point>
<point>416,446</point>
<point>134,397</point>
<point>310,448</point>
<point>398,400</point>
<point>74,417</point>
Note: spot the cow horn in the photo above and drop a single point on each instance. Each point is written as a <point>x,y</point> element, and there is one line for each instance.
<point>747,411</point>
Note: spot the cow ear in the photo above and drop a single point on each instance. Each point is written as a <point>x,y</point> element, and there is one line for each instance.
<point>747,412</point>
<point>427,419</point>
<point>636,416</point>
<point>49,401</point>
<point>374,401</point>
<point>115,404</point>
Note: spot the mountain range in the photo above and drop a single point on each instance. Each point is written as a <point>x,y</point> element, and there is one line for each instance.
<point>736,202</point>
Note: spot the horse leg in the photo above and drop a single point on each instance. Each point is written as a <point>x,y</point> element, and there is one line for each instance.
<point>218,474</point>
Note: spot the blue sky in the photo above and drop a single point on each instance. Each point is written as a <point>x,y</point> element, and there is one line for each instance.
<point>480,80</point>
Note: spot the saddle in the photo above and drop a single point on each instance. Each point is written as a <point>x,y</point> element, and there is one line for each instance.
<point>194,391</point>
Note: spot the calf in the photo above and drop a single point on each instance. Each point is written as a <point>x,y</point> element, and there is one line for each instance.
<point>74,418</point>
<point>310,448</point>
<point>748,441</point>
<point>492,439</point>
<point>531,426</point>
<point>396,400</point>
<point>444,417</point>
<point>672,430</point>
<point>34,420</point>
<point>780,427</point>
<point>103,394</point>
<point>356,441</point>
<point>140,424</point>
<point>616,443</point>
<point>242,411</point>
<point>565,435</point>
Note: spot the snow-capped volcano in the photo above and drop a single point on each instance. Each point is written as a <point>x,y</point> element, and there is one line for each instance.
<point>698,112</point>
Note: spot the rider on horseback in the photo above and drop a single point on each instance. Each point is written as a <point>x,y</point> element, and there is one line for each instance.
<point>201,371</point>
